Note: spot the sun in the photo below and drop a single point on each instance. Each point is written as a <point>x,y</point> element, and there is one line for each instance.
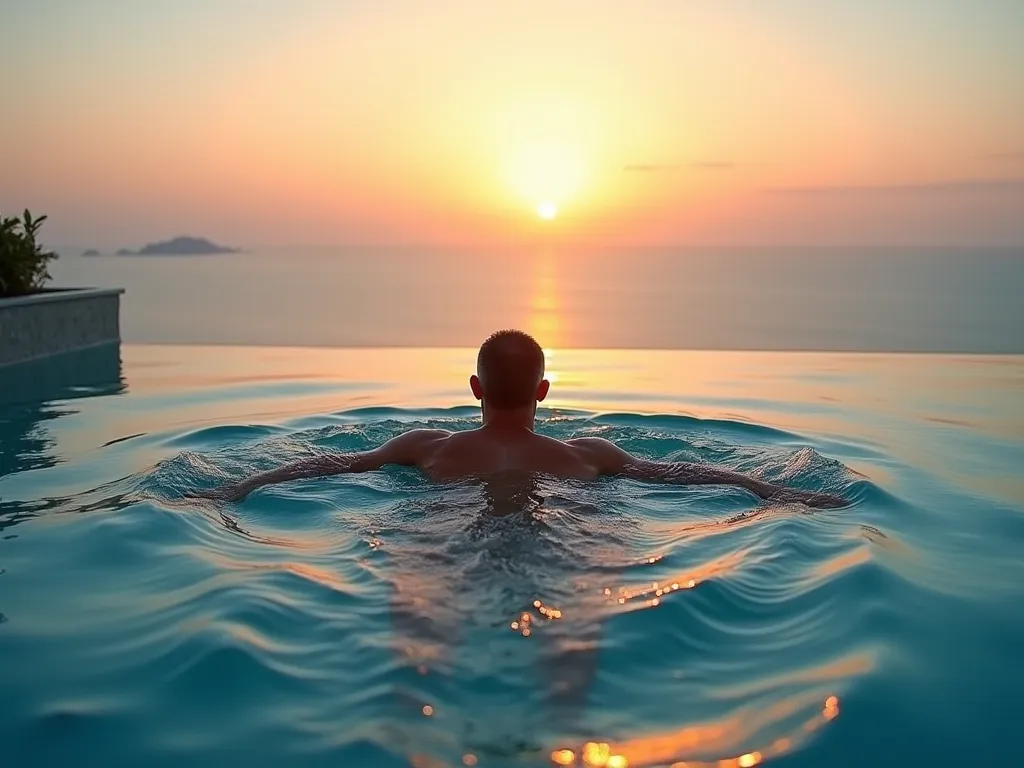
<point>547,210</point>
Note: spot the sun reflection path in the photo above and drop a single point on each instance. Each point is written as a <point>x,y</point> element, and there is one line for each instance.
<point>526,621</point>
<point>668,748</point>
<point>545,318</point>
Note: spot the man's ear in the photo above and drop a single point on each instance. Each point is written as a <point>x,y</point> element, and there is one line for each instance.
<point>476,387</point>
<point>542,389</point>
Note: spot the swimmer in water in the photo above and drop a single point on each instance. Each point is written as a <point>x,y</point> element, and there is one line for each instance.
<point>509,382</point>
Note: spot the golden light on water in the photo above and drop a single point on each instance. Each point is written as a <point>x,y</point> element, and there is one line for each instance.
<point>670,747</point>
<point>653,592</point>
<point>594,755</point>
<point>831,710</point>
<point>546,312</point>
<point>768,731</point>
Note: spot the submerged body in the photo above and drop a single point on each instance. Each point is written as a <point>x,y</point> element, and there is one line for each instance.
<point>510,383</point>
<point>496,449</point>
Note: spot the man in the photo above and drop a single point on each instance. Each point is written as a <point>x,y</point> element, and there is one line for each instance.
<point>510,382</point>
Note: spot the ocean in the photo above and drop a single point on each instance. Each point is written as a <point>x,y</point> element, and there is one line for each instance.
<point>876,300</point>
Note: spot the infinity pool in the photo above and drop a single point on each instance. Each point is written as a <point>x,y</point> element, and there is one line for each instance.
<point>382,620</point>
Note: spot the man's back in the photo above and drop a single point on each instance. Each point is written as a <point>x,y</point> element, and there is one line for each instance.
<point>483,451</point>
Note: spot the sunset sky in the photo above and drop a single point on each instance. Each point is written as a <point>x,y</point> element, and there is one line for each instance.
<point>726,122</point>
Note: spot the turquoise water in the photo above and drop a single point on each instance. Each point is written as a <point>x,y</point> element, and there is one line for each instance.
<point>379,620</point>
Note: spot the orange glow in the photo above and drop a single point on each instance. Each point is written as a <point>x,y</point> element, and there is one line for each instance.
<point>670,747</point>
<point>850,666</point>
<point>831,711</point>
<point>458,120</point>
<point>545,320</point>
<point>654,591</point>
<point>595,754</point>
<point>524,624</point>
<point>844,562</point>
<point>563,757</point>
<point>312,573</point>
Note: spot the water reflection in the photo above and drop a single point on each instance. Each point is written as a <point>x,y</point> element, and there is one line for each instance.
<point>531,556</point>
<point>38,392</point>
<point>24,442</point>
<point>545,315</point>
<point>85,373</point>
<point>676,748</point>
<point>14,512</point>
<point>482,568</point>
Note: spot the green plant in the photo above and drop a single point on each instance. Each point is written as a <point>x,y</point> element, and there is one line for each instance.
<point>23,262</point>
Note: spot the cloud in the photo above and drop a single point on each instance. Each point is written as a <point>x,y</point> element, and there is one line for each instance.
<point>961,185</point>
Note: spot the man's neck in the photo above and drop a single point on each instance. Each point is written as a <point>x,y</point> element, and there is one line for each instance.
<point>512,419</point>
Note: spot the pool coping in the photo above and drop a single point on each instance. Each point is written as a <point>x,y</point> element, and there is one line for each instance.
<point>57,294</point>
<point>57,321</point>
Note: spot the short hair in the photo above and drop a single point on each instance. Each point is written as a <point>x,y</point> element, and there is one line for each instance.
<point>510,365</point>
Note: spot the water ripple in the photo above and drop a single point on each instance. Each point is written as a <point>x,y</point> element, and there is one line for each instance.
<point>385,620</point>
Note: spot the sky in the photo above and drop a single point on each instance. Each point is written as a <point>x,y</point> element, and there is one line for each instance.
<point>652,122</point>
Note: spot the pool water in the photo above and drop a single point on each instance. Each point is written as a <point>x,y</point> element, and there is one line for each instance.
<point>384,620</point>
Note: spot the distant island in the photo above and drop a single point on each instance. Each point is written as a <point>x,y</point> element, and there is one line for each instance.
<point>91,252</point>
<point>179,246</point>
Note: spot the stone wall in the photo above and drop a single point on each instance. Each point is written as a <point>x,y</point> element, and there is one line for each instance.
<point>57,321</point>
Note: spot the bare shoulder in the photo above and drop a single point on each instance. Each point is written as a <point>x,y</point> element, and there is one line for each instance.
<point>418,437</point>
<point>409,447</point>
<point>598,444</point>
<point>604,454</point>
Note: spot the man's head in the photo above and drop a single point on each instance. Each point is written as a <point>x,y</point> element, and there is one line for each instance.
<point>509,372</point>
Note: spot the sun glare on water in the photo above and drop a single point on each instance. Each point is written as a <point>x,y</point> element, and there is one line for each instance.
<point>547,210</point>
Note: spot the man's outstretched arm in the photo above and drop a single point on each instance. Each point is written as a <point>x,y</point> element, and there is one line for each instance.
<point>612,460</point>
<point>405,449</point>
